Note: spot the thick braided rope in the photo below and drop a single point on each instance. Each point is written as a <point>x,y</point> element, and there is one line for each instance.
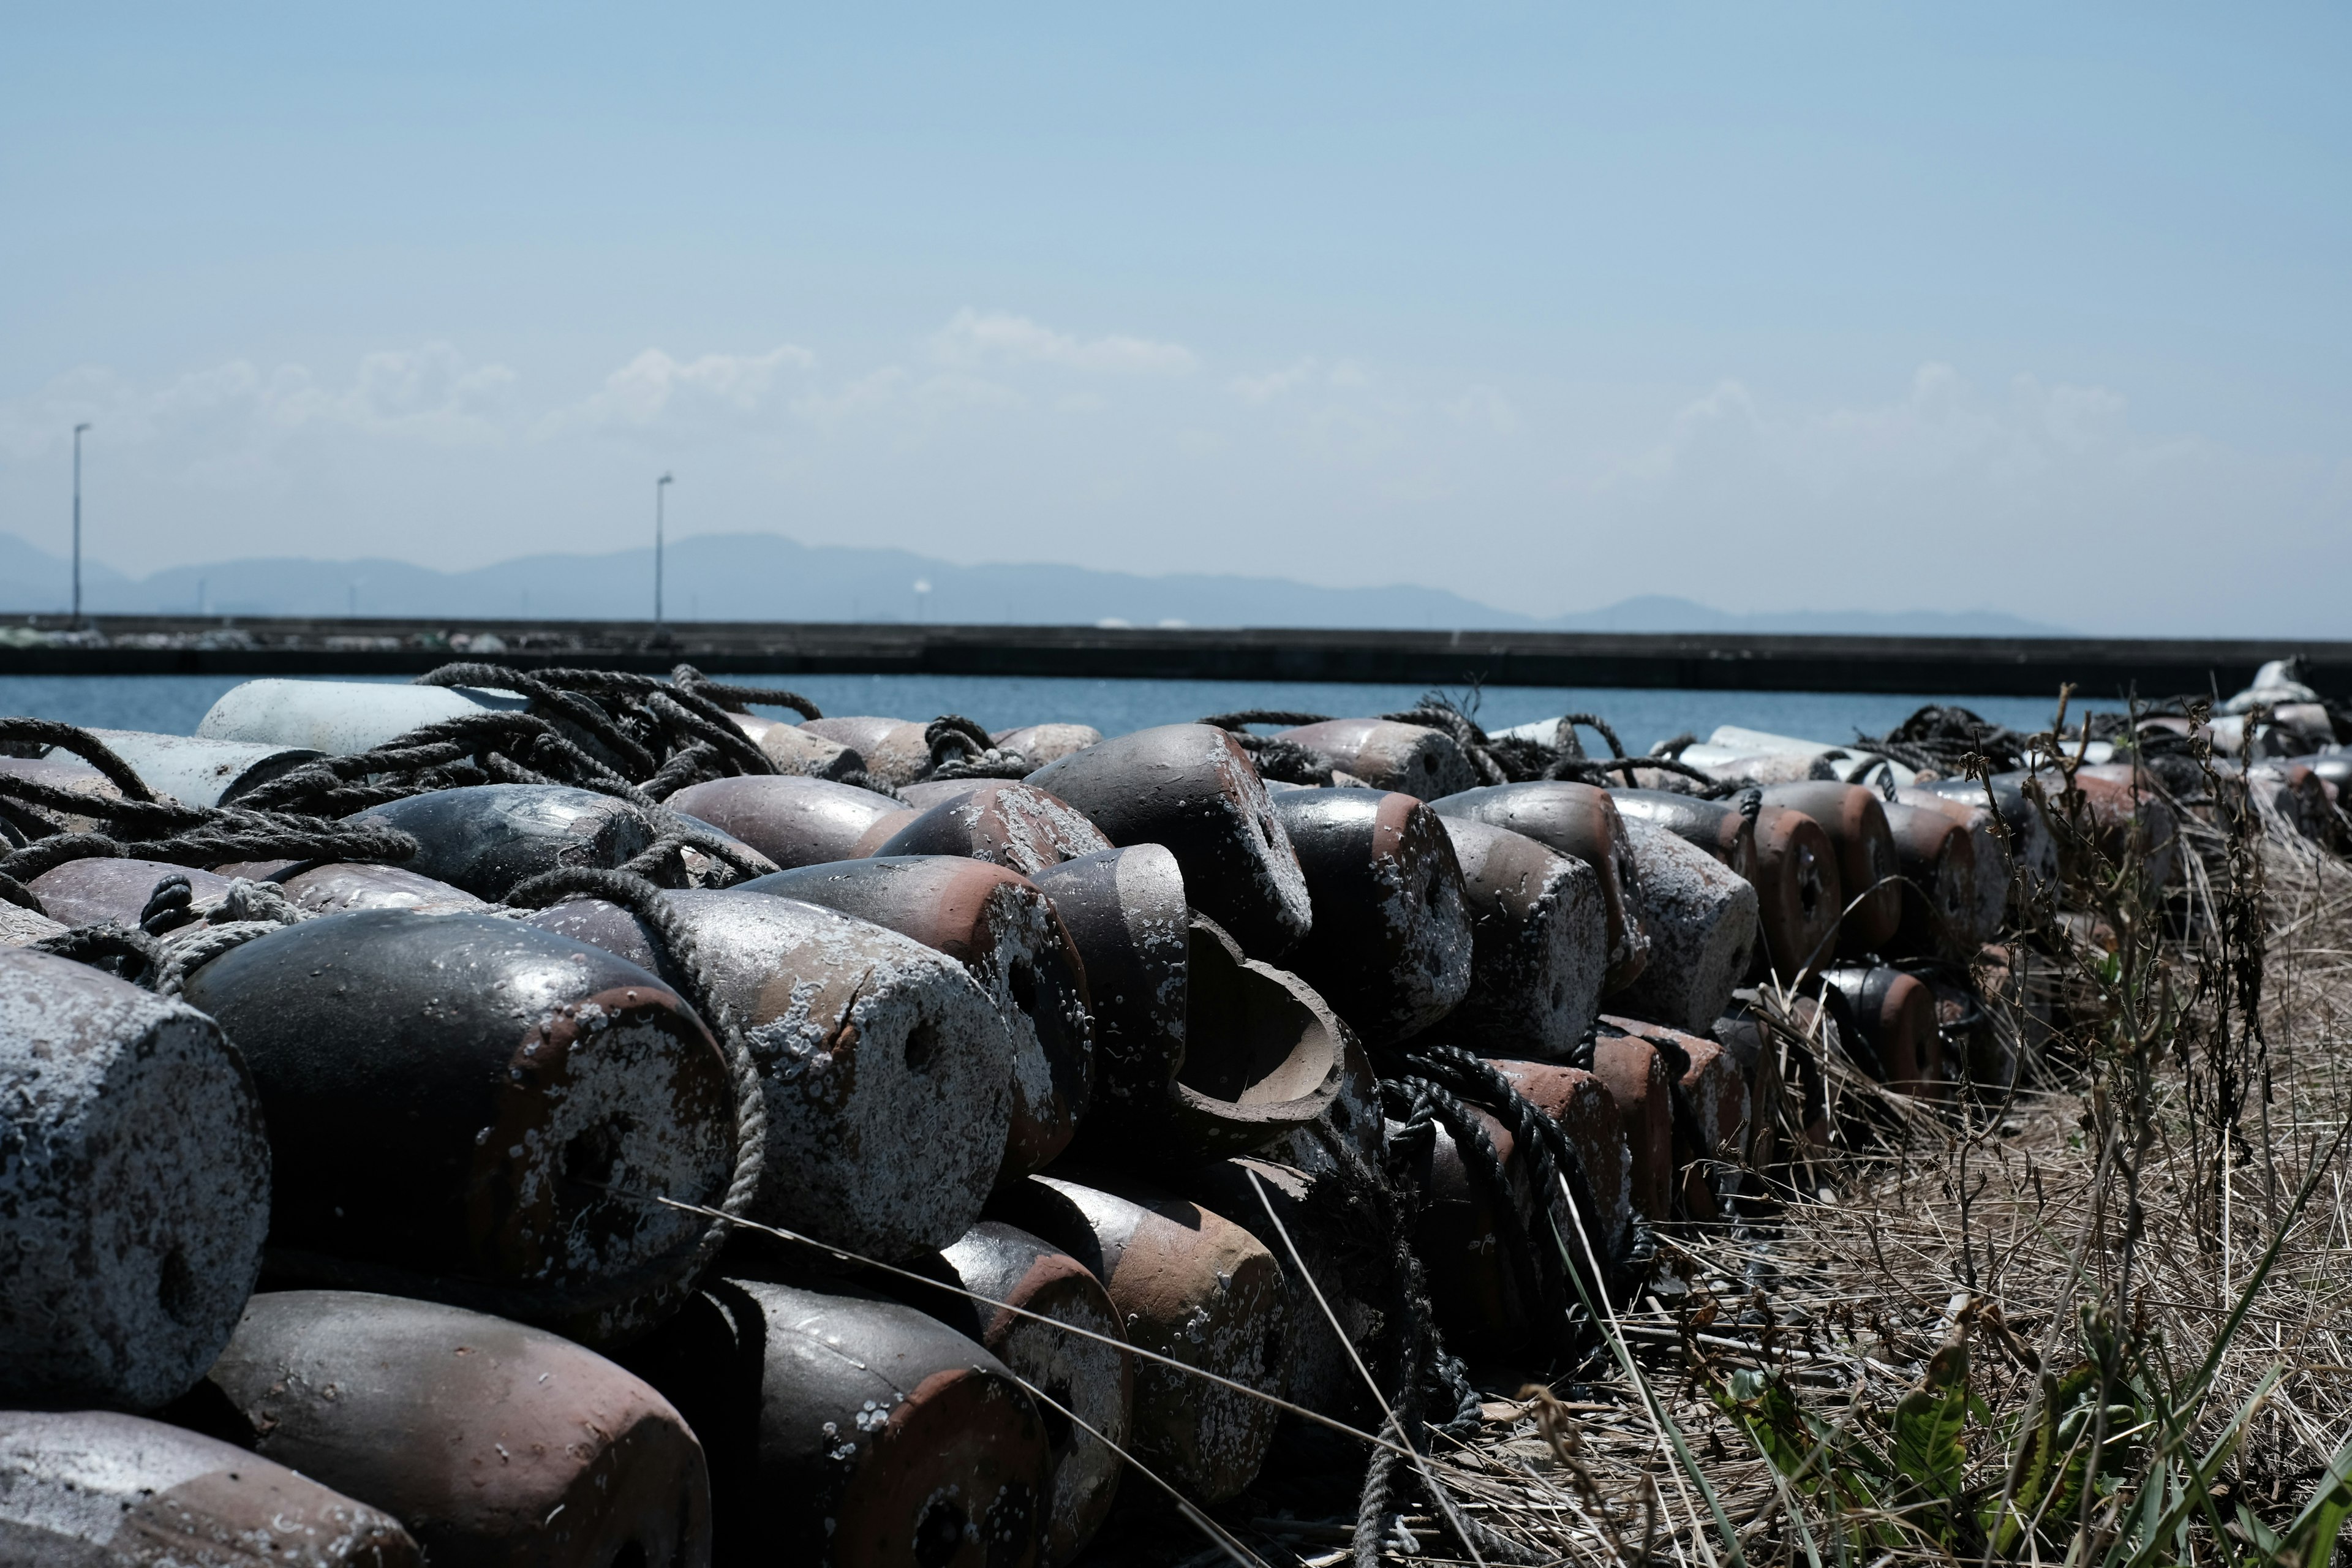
<point>150,816</point>
<point>1590,771</point>
<point>686,768</point>
<point>1477,1149</point>
<point>233,834</point>
<point>1248,716</point>
<point>431,747</point>
<point>1594,721</point>
<point>248,912</point>
<point>47,854</point>
<point>1286,760</point>
<point>1380,1480</point>
<point>169,904</point>
<point>83,744</point>
<point>545,691</point>
<point>686,677</point>
<point>707,724</point>
<point>1554,1160</point>
<point>111,946</point>
<point>333,786</point>
<point>23,897</point>
<point>961,749</point>
<point>678,707</point>
<point>1422,1362</point>
<point>681,958</point>
<point>1417,1329</point>
<point>1471,1074</point>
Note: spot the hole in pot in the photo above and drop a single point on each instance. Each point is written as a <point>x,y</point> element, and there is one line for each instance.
<point>939,1534</point>
<point>175,1287</point>
<point>922,1045</point>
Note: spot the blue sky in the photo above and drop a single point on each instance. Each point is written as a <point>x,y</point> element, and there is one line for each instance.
<point>1983,307</point>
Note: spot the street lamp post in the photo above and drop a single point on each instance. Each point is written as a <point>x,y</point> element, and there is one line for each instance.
<point>659,485</point>
<point>76,539</point>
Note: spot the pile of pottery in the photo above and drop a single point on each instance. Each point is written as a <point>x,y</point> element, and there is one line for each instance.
<point>401,1221</point>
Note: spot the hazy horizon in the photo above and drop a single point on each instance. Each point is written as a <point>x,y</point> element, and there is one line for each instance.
<point>1818,309</point>
<point>754,577</point>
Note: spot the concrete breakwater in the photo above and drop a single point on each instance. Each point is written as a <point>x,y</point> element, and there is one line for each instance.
<point>563,1115</point>
<point>2103,668</point>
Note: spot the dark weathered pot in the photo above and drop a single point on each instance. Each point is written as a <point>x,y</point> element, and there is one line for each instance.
<point>1785,855</point>
<point>92,1489</point>
<point>1485,1299</point>
<point>1001,928</point>
<point>486,838</point>
<point>1411,759</point>
<point>1938,857</point>
<point>1855,822</point>
<point>1895,1014</point>
<point>894,749</point>
<point>1009,824</point>
<point>1580,1105</point>
<point>792,750</point>
<point>93,892</point>
<point>495,1442</point>
<point>1092,1381</point>
<point>1125,911</point>
<point>1540,936</point>
<point>1193,789</point>
<point>1701,919</point>
<point>1711,1129</point>
<point>1391,945</point>
<point>472,1110</point>
<point>845,1430</point>
<point>134,1188</point>
<point>1042,743</point>
<point>1581,820</point>
<point>887,1067</point>
<point>791,821</point>
<point>1994,867</point>
<point>2125,817</point>
<point>1801,892</point>
<point>1350,1263</point>
<point>1188,1284</point>
<point>333,889</point>
<point>1636,1075</point>
<point>2035,853</point>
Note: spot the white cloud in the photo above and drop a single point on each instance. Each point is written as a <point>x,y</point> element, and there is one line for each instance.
<point>1942,431</point>
<point>653,387</point>
<point>978,337</point>
<point>1343,375</point>
<point>1944,490</point>
<point>1482,408</point>
<point>236,410</point>
<point>945,393</point>
<point>875,390</point>
<point>1265,389</point>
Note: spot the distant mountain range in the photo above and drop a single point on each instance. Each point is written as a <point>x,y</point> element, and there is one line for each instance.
<point>767,577</point>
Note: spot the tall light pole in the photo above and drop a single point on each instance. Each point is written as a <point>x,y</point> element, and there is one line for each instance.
<point>76,542</point>
<point>659,485</point>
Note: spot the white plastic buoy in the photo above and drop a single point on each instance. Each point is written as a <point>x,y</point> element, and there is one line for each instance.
<point>339,716</point>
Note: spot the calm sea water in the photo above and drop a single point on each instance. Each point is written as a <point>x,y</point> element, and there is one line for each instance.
<point>172,704</point>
